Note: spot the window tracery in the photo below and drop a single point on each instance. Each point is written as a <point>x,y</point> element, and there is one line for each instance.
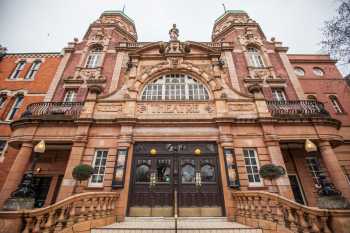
<point>175,87</point>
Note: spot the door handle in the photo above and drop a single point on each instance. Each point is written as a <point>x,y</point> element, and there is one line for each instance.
<point>198,180</point>
<point>153,180</point>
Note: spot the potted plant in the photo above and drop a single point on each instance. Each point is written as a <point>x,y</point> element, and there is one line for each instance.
<point>271,171</point>
<point>82,172</point>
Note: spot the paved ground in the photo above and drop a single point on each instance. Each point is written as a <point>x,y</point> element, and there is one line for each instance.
<point>167,225</point>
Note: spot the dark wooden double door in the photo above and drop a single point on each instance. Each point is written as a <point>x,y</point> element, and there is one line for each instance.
<point>175,179</point>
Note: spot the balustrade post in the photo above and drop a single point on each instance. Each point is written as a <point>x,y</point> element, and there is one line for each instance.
<point>324,222</point>
<point>302,223</point>
<point>314,224</point>
<point>49,222</point>
<point>36,228</point>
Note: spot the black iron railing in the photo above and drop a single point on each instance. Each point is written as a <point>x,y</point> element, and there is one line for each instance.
<point>297,108</point>
<point>53,109</point>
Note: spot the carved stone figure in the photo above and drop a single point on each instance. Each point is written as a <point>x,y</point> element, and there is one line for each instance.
<point>174,33</point>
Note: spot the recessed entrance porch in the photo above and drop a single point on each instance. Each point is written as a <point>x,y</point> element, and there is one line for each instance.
<point>175,178</point>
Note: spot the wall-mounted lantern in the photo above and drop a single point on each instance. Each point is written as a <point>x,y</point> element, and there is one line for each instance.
<point>231,168</point>
<point>119,168</point>
<point>310,146</point>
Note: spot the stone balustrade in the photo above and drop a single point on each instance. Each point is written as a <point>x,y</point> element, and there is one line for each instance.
<point>53,109</point>
<point>274,213</point>
<point>297,108</point>
<point>78,213</point>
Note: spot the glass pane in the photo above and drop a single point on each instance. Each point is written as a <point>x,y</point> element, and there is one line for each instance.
<point>251,178</point>
<point>163,171</point>
<point>187,174</point>
<point>142,173</point>
<point>208,173</point>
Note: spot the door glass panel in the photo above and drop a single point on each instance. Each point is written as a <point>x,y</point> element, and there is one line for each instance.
<point>143,173</point>
<point>163,170</point>
<point>208,173</point>
<point>187,174</point>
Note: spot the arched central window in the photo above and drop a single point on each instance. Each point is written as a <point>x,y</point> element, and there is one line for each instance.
<point>175,87</point>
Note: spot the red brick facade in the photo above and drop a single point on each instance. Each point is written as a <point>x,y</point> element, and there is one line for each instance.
<point>33,90</point>
<point>239,92</point>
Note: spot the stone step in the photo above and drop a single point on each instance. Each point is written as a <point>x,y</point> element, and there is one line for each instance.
<point>184,225</point>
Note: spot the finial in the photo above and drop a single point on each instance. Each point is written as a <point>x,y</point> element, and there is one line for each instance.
<point>174,33</point>
<point>224,7</point>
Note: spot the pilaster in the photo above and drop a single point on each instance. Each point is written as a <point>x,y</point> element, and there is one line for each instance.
<point>17,171</point>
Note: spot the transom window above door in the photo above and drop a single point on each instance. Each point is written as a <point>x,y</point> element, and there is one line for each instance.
<point>175,87</point>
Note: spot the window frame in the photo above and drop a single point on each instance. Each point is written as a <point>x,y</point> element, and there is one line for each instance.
<point>256,59</point>
<point>98,184</point>
<point>93,60</point>
<point>3,98</point>
<point>66,96</point>
<point>4,148</point>
<point>17,71</point>
<point>312,170</point>
<point>337,106</point>
<point>257,164</point>
<point>15,107</point>
<point>175,87</point>
<point>282,97</point>
<point>34,69</point>
<point>297,69</point>
<point>315,70</point>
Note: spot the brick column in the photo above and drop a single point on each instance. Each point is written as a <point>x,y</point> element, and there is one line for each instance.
<point>68,183</point>
<point>334,170</point>
<point>17,171</point>
<point>283,182</point>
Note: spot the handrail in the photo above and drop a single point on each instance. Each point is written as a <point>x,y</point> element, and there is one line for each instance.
<point>296,108</point>
<point>42,109</point>
<point>283,212</point>
<point>65,213</point>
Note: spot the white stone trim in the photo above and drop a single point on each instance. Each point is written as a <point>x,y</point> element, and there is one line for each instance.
<point>117,71</point>
<point>232,71</point>
<point>292,76</point>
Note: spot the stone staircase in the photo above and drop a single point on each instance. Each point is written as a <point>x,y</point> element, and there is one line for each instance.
<point>182,225</point>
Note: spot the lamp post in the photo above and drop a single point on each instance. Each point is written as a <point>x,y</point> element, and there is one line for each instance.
<point>24,196</point>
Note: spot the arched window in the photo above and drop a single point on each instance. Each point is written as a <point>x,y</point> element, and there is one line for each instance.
<point>336,104</point>
<point>318,71</point>
<point>175,87</point>
<point>93,60</point>
<point>33,70</point>
<point>312,97</point>
<point>299,71</point>
<point>15,107</point>
<point>255,58</point>
<point>18,69</point>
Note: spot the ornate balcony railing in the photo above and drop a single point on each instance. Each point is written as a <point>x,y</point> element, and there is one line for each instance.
<point>275,213</point>
<point>297,108</point>
<point>53,109</point>
<point>84,208</point>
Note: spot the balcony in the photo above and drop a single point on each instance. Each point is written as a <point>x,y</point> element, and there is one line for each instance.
<point>297,109</point>
<point>53,110</point>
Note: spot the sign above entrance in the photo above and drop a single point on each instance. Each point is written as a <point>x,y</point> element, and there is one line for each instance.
<point>172,108</point>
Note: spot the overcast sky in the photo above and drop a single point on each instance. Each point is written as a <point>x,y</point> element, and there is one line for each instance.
<point>47,25</point>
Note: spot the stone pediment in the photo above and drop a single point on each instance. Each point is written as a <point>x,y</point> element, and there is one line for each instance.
<point>174,48</point>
